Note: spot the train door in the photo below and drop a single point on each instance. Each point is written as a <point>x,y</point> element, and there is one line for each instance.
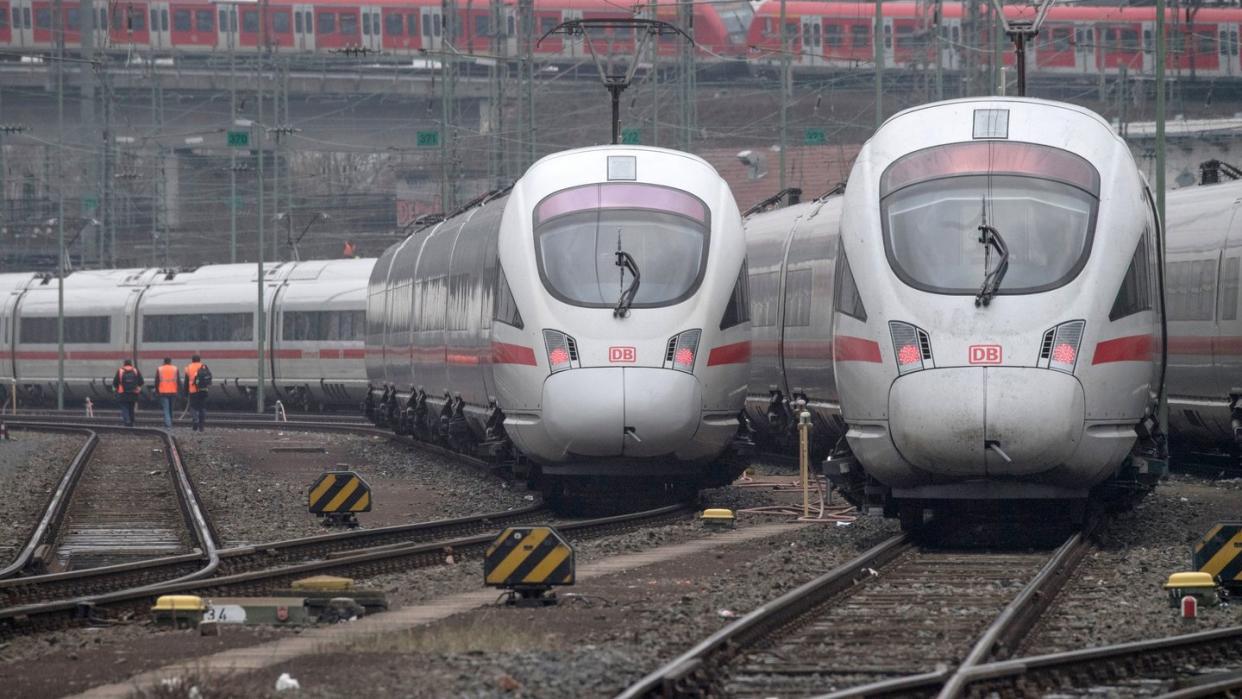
<point>276,358</point>
<point>950,39</point>
<point>161,38</point>
<point>433,28</point>
<point>1227,347</point>
<point>20,23</point>
<point>812,53</point>
<point>8,336</point>
<point>304,28</point>
<point>1227,47</point>
<point>1085,48</point>
<point>228,36</point>
<point>889,51</point>
<point>129,323</point>
<point>372,32</point>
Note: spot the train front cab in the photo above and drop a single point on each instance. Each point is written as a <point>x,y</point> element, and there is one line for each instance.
<point>1036,394</point>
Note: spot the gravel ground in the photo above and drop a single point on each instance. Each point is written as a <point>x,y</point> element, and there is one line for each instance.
<point>255,490</point>
<point>31,465</point>
<point>1117,594</point>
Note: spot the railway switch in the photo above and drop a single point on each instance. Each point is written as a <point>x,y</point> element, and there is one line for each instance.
<point>528,562</point>
<point>338,496</point>
<point>1219,555</point>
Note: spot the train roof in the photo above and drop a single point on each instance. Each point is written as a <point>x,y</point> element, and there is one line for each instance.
<point>614,147</point>
<point>1095,13</point>
<point>992,101</point>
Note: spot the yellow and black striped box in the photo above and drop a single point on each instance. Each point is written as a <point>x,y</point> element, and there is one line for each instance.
<point>339,492</point>
<point>529,557</point>
<point>1219,553</point>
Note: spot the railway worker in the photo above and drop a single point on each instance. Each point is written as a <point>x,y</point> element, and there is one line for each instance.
<point>197,379</point>
<point>128,384</point>
<point>167,386</point>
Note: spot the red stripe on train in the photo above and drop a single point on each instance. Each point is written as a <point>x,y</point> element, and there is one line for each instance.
<point>855,349</point>
<point>1135,348</point>
<point>505,353</point>
<point>736,353</point>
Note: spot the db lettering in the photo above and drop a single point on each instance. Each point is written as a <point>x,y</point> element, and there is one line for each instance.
<point>622,355</point>
<point>985,354</point>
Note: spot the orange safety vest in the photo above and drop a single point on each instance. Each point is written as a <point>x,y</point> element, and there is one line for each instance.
<point>166,380</point>
<point>191,372</point>
<point>120,380</point>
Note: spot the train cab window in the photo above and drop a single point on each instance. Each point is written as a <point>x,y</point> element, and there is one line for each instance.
<point>280,22</point>
<point>832,34</point>
<point>845,298</point>
<point>327,23</point>
<point>349,23</point>
<point>579,230</point>
<point>738,309</point>
<point>860,36</point>
<point>78,330</point>
<point>250,21</point>
<point>1229,289</point>
<point>394,25</point>
<point>505,308</point>
<point>1135,292</point>
<point>1042,201</point>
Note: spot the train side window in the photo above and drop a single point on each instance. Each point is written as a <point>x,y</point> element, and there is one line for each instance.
<point>204,21</point>
<point>1206,43</point>
<point>182,21</point>
<point>481,25</point>
<point>280,22</point>
<point>546,25</point>
<point>847,299</point>
<point>163,20</point>
<point>957,34</point>
<point>1229,289</point>
<point>327,23</point>
<point>224,19</point>
<point>411,24</point>
<point>860,36</point>
<point>1147,40</point>
<point>394,25</point>
<point>155,18</point>
<point>738,309</point>
<point>4,19</point>
<point>798,298</point>
<point>426,26</point>
<point>764,306</point>
<point>26,17</point>
<point>366,24</point>
<point>511,26</point>
<point>73,21</point>
<point>78,330</point>
<point>198,327</point>
<point>1134,295</point>
<point>505,307</point>
<point>250,21</point>
<point>832,35</point>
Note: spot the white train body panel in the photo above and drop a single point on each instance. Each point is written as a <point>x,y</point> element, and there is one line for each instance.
<point>149,314</point>
<point>988,378</point>
<point>615,404</point>
<point>1205,332</point>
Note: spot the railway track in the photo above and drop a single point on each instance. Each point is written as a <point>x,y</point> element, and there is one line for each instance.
<point>259,570</point>
<point>955,609</point>
<point>124,500</point>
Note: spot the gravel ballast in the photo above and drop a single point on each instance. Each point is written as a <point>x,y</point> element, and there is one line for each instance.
<point>255,482</point>
<point>31,464</point>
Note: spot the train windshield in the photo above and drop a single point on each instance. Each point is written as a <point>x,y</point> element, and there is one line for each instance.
<point>579,233</point>
<point>1035,200</point>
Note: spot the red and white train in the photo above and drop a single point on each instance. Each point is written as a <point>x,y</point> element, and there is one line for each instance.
<point>823,35</point>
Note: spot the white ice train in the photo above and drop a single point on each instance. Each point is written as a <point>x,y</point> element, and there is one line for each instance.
<point>1205,331</point>
<point>314,313</point>
<point>593,318</point>
<point>994,332</point>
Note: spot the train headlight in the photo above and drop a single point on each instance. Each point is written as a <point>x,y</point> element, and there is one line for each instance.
<point>911,346</point>
<point>683,349</point>
<point>562,350</point>
<point>1060,346</point>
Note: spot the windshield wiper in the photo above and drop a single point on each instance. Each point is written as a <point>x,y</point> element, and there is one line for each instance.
<point>626,262</point>
<point>991,239</point>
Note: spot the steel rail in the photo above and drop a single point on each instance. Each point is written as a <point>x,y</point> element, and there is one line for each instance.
<point>57,614</point>
<point>696,666</point>
<point>57,506</point>
<point>1094,664</point>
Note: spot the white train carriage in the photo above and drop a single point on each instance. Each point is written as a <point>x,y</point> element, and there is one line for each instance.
<point>595,315</point>
<point>996,332</point>
<point>318,333</point>
<point>1205,332</point>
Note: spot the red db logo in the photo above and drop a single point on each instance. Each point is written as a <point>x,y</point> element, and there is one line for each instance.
<point>622,355</point>
<point>985,354</point>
